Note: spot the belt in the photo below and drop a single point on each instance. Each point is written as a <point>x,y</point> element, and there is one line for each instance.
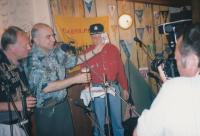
<point>10,122</point>
<point>48,110</point>
<point>102,84</point>
<point>52,104</point>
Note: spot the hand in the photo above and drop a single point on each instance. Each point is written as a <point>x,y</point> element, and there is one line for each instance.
<point>134,132</point>
<point>82,78</point>
<point>162,73</point>
<point>18,104</point>
<point>30,102</point>
<point>126,95</point>
<point>98,48</point>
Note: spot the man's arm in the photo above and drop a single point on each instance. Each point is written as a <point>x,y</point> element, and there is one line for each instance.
<point>61,84</point>
<point>90,54</point>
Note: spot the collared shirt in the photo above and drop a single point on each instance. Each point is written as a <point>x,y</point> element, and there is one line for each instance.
<point>42,69</point>
<point>175,111</point>
<point>12,83</point>
<point>108,62</point>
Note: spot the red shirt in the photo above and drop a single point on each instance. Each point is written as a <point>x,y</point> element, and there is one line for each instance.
<point>108,62</point>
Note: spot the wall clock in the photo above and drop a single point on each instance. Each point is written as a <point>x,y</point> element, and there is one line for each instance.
<point>125,21</point>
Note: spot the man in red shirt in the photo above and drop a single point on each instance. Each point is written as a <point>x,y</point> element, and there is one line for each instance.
<point>107,66</point>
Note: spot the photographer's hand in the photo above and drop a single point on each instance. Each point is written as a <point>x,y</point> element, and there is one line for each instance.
<point>162,73</point>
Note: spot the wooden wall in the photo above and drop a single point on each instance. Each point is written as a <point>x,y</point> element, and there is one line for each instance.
<point>152,16</point>
<point>144,27</point>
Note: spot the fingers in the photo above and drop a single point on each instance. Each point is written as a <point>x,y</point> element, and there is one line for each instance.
<point>18,105</point>
<point>162,73</point>
<point>126,95</point>
<point>82,78</point>
<point>86,77</point>
<point>30,102</point>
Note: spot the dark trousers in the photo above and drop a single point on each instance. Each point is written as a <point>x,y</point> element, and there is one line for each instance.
<point>54,121</point>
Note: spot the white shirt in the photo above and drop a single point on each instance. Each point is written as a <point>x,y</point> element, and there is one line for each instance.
<point>175,111</point>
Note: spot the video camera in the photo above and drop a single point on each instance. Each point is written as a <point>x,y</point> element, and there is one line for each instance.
<point>174,30</point>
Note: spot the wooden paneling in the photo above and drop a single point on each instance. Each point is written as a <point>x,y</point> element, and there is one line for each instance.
<point>113,19</point>
<point>125,7</point>
<point>67,7</point>
<point>145,28</point>
<point>164,2</point>
<point>78,8</point>
<point>101,7</point>
<point>152,16</point>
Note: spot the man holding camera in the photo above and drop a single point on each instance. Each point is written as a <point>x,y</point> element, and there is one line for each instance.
<point>175,111</point>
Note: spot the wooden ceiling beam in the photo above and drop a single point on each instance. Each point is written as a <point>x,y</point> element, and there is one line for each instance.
<point>175,3</point>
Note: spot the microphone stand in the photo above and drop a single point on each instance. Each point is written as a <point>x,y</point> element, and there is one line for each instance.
<point>144,48</point>
<point>94,121</point>
<point>107,109</point>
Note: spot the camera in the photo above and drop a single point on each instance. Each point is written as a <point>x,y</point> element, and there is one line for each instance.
<point>169,68</point>
<point>173,29</point>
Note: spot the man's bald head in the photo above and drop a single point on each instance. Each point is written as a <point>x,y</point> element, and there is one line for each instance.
<point>37,28</point>
<point>43,36</point>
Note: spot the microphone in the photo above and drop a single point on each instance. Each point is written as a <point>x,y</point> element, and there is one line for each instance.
<point>85,108</point>
<point>123,44</point>
<point>137,40</point>
<point>144,47</point>
<point>68,48</point>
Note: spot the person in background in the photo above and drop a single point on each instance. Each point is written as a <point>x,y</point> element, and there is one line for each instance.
<point>106,67</point>
<point>175,111</point>
<point>15,46</point>
<point>46,70</point>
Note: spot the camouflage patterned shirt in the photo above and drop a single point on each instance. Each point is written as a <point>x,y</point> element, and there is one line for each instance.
<point>42,69</point>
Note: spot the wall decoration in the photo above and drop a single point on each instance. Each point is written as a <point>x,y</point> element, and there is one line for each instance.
<point>88,4</point>
<point>139,14</point>
<point>69,28</point>
<point>111,9</point>
<point>149,28</point>
<point>156,14</point>
<point>147,5</point>
<point>140,32</point>
<point>164,15</point>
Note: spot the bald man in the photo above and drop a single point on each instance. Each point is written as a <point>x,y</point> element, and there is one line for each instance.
<point>46,68</point>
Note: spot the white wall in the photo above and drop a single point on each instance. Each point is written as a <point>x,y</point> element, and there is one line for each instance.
<point>23,13</point>
<point>42,11</point>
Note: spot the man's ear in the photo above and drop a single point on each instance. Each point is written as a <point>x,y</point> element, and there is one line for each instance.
<point>192,62</point>
<point>35,40</point>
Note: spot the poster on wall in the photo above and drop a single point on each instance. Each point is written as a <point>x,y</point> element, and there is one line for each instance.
<point>76,29</point>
